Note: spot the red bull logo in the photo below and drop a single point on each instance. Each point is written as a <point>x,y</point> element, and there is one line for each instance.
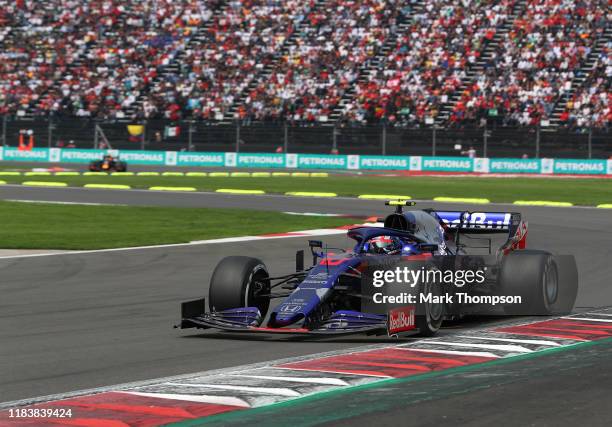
<point>401,319</point>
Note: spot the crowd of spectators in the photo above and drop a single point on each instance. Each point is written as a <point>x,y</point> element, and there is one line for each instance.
<point>534,63</point>
<point>300,60</point>
<point>237,46</point>
<point>589,106</point>
<point>89,58</point>
<point>37,43</point>
<point>428,61</point>
<point>316,70</point>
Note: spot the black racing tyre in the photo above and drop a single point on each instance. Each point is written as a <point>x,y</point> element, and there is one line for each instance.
<point>237,282</point>
<point>430,315</point>
<point>121,167</point>
<point>534,276</point>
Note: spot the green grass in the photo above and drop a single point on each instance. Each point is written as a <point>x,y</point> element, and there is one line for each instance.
<point>587,191</point>
<point>52,226</point>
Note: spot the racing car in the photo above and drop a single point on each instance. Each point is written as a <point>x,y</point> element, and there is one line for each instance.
<point>108,164</point>
<point>335,296</point>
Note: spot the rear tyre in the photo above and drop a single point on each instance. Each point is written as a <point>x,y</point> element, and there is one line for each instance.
<point>534,276</point>
<point>239,281</point>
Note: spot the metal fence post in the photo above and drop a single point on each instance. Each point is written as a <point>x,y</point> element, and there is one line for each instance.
<point>190,135</point>
<point>384,140</point>
<point>144,135</point>
<point>590,146</point>
<point>286,138</point>
<point>485,141</point>
<point>538,142</point>
<point>433,140</point>
<point>237,137</point>
<point>49,132</point>
<point>4,118</point>
<point>335,139</point>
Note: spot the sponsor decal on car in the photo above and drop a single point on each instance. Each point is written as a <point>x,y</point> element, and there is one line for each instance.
<point>290,308</point>
<point>401,319</point>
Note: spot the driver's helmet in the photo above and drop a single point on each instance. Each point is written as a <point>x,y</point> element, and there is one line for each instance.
<point>389,245</point>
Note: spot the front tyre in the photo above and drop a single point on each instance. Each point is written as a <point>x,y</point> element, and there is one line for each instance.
<point>430,315</point>
<point>237,282</point>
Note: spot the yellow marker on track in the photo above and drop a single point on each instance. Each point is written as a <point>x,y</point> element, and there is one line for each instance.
<point>173,188</point>
<point>67,173</point>
<point>218,174</point>
<point>45,184</point>
<point>10,173</point>
<point>240,174</point>
<point>462,200</point>
<point>383,197</point>
<point>37,174</point>
<point>605,206</point>
<point>173,174</point>
<point>196,174</point>
<point>95,174</point>
<point>239,191</point>
<point>147,174</point>
<point>122,173</point>
<point>279,174</point>
<point>319,175</point>
<point>2,182</point>
<point>300,174</point>
<point>310,194</point>
<point>108,186</point>
<point>542,203</point>
<point>261,174</point>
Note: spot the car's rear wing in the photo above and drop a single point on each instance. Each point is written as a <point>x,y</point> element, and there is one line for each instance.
<point>488,222</point>
<point>480,222</point>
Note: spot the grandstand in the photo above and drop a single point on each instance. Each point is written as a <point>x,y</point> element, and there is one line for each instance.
<point>331,62</point>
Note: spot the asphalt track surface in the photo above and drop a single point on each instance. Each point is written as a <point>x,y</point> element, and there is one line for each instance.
<point>77,321</point>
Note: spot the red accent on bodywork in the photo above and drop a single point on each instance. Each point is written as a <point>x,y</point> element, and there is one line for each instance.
<point>328,261</point>
<point>518,241</point>
<point>521,233</point>
<point>387,362</point>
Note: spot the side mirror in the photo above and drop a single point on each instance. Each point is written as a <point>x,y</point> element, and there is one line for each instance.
<point>299,261</point>
<point>313,245</point>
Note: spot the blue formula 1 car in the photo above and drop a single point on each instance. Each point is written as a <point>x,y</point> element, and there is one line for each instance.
<point>335,295</point>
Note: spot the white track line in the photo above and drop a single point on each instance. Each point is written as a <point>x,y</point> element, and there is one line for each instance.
<point>325,381</point>
<point>520,341</point>
<point>453,352</point>
<point>589,319</point>
<point>276,391</point>
<point>290,234</point>
<point>217,400</point>
<point>63,203</point>
<point>484,346</point>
